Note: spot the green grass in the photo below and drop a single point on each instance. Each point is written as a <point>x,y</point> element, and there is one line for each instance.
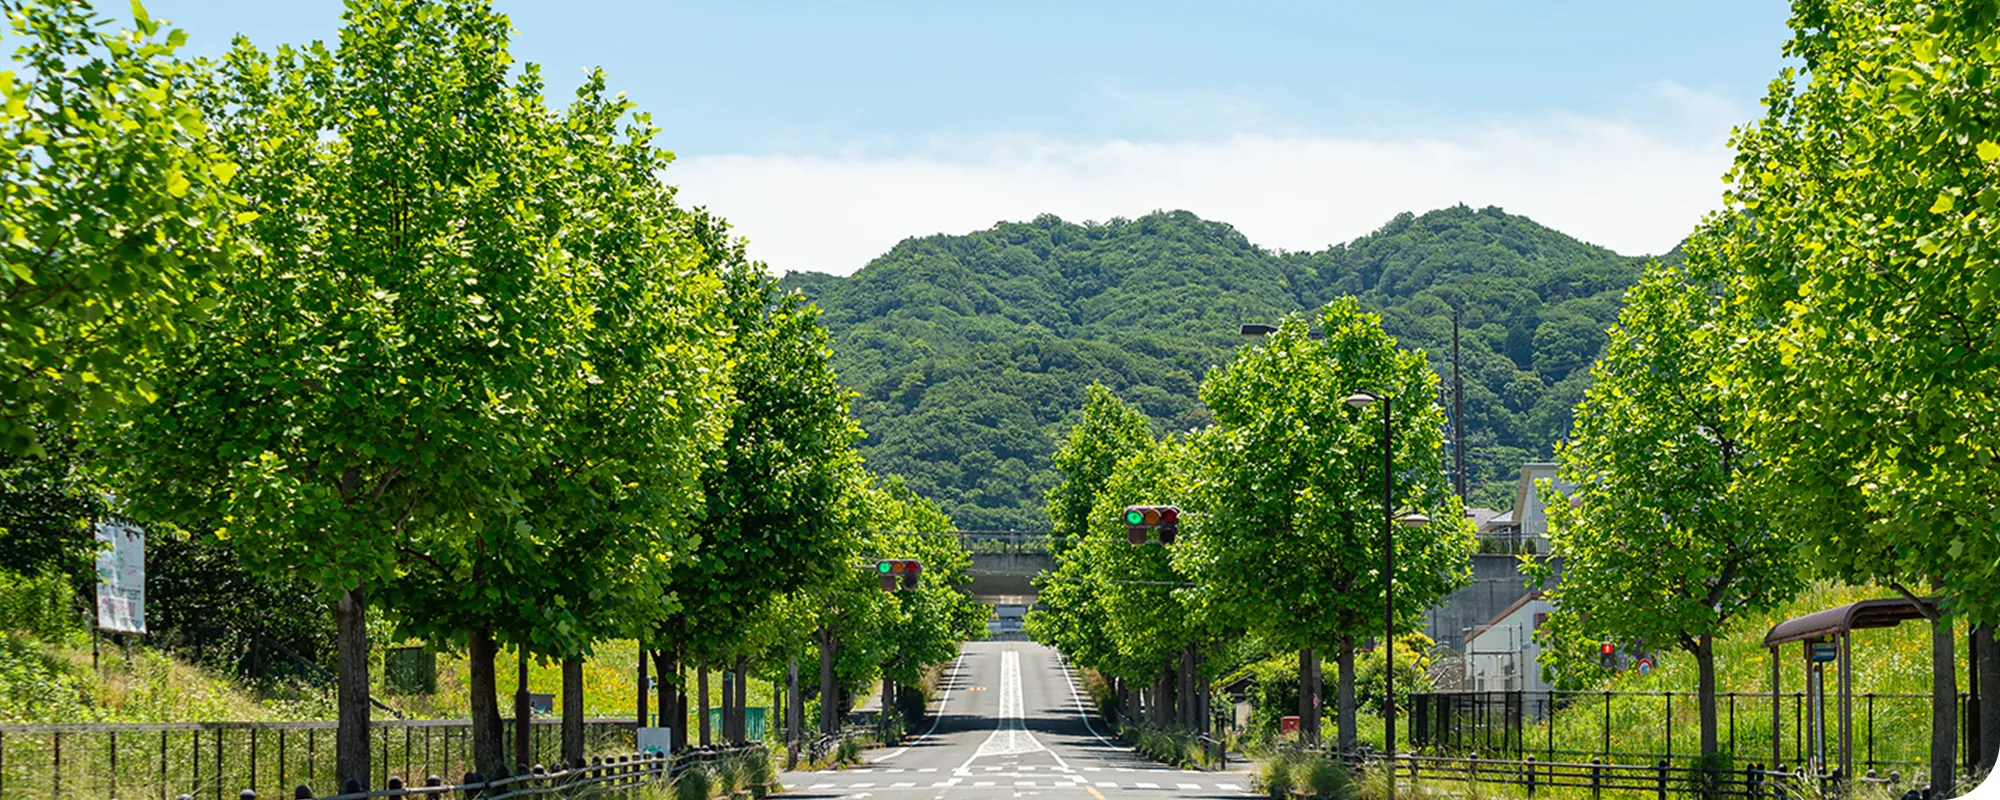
<point>1890,661</point>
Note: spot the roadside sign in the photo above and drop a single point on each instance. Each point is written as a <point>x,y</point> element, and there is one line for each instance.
<point>655,741</point>
<point>1821,650</point>
<point>1645,665</point>
<point>121,578</point>
<point>1288,724</point>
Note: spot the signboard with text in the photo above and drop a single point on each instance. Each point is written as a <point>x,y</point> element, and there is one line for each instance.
<point>121,577</point>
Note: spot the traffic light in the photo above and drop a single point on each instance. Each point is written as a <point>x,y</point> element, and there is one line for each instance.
<point>899,573</point>
<point>1141,521</point>
<point>1606,655</point>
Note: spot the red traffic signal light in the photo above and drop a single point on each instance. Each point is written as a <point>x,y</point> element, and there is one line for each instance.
<point>1606,649</point>
<point>911,571</point>
<point>1606,654</point>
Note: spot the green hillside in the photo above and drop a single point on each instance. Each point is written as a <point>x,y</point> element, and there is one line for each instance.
<point>971,352</point>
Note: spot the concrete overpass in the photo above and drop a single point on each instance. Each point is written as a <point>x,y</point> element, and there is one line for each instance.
<point>1005,563</point>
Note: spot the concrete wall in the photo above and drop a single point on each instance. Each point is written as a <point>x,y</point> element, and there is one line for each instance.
<point>1497,582</point>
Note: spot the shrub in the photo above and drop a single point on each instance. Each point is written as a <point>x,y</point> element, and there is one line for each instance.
<point>43,606</point>
<point>1274,778</point>
<point>694,784</point>
<point>1324,779</point>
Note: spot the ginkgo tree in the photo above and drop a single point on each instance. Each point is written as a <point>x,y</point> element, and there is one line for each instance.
<point>1860,244</point>
<point>380,373</point>
<point>1291,537</point>
<point>598,526</point>
<point>116,221</point>
<point>1662,542</point>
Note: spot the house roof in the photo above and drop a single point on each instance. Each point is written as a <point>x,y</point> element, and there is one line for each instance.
<point>1508,612</point>
<point>1886,612</point>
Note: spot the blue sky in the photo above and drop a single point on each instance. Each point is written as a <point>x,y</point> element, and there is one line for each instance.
<point>827,131</point>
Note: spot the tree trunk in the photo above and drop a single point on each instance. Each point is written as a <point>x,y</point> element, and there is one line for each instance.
<point>1986,649</point>
<point>1308,697</point>
<point>1944,705</point>
<point>1344,695</point>
<point>524,755</point>
<point>1704,661</point>
<point>351,764</point>
<point>642,715</point>
<point>671,700</point>
<point>829,693</point>
<point>483,684</point>
<point>701,707</point>
<point>728,732</point>
<point>742,698</point>
<point>572,711</point>
<point>795,714</point>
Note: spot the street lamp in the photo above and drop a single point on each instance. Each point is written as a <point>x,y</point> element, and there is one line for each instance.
<point>1389,521</point>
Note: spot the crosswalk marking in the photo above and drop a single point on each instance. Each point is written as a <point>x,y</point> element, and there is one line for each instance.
<point>1147,785</point>
<point>981,784</point>
<point>903,785</point>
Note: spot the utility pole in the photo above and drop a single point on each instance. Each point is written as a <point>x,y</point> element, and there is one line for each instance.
<point>1457,411</point>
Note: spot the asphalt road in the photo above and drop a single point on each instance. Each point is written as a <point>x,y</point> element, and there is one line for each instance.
<point>1010,724</point>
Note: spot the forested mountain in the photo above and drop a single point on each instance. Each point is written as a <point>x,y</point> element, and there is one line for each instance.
<point>972,353</point>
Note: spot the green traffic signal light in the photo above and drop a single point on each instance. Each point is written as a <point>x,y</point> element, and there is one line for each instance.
<point>884,567</point>
<point>1134,516</point>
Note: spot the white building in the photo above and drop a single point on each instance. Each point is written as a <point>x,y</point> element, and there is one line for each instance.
<point>1502,655</point>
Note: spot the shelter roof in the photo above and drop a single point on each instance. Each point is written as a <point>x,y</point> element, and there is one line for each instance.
<point>1886,612</point>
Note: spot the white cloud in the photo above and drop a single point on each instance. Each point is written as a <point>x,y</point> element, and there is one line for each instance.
<point>1630,187</point>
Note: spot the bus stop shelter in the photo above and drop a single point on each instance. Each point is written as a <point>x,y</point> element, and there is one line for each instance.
<point>1835,626</point>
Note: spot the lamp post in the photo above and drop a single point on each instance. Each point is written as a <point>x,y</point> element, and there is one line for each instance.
<point>1389,520</point>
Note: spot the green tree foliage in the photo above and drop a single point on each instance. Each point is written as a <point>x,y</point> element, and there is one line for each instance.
<point>1290,538</point>
<point>586,547</point>
<point>1138,588</point>
<point>1109,431</point>
<point>115,213</point>
<point>46,507</point>
<point>381,369</point>
<point>971,354</point>
<point>1860,236</point>
<point>1891,373</point>
<point>1663,542</point>
<point>202,602</point>
<point>770,521</point>
<point>928,624</point>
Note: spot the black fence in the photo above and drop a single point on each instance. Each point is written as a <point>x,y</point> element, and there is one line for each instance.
<point>620,772</point>
<point>214,760</point>
<point>1598,779</point>
<point>1644,728</point>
